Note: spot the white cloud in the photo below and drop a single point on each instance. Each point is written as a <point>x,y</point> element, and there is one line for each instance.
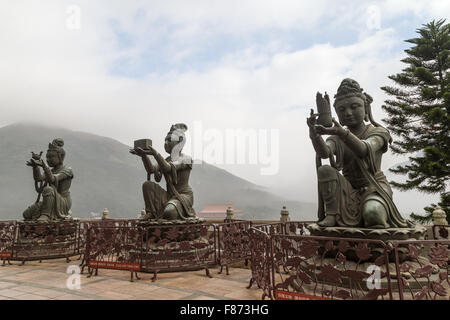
<point>58,76</point>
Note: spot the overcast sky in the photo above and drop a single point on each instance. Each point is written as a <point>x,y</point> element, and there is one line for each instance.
<point>130,69</point>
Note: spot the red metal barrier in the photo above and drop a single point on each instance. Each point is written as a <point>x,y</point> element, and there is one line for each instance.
<point>7,238</point>
<point>233,243</point>
<point>332,268</point>
<point>441,232</point>
<point>117,248</point>
<point>178,248</point>
<point>261,257</point>
<point>45,240</point>
<point>425,275</point>
<point>286,262</point>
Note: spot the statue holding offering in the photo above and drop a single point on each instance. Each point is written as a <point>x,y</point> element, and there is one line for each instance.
<point>53,184</point>
<point>176,202</point>
<point>353,191</point>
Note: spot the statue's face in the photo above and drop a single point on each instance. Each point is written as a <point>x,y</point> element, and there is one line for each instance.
<point>170,142</point>
<point>52,158</point>
<point>351,111</point>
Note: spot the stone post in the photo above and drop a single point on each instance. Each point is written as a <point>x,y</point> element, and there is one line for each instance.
<point>284,215</point>
<point>105,214</point>
<point>439,216</point>
<point>230,214</point>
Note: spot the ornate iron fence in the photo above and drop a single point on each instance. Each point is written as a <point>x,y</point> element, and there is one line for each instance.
<point>178,248</point>
<point>7,238</point>
<point>441,232</point>
<point>117,248</point>
<point>84,227</point>
<point>270,228</point>
<point>151,249</point>
<point>425,273</point>
<point>286,262</point>
<point>27,241</point>
<point>296,227</point>
<point>261,257</point>
<point>300,267</point>
<point>309,267</point>
<point>233,243</point>
<point>288,228</point>
<point>45,240</point>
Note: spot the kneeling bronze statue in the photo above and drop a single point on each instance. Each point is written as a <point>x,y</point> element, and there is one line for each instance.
<point>355,198</point>
<point>176,202</point>
<point>53,184</point>
<point>353,191</point>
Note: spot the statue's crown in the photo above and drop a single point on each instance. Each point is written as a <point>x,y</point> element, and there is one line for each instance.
<point>349,87</point>
<point>56,145</point>
<point>178,126</point>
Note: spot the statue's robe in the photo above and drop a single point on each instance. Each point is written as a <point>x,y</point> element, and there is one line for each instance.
<point>61,187</point>
<point>178,193</point>
<point>362,180</point>
<point>57,201</point>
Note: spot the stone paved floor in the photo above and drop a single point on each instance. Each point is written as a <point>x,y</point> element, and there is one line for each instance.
<point>47,281</point>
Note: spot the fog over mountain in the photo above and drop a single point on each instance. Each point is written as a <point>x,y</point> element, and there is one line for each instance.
<point>106,175</point>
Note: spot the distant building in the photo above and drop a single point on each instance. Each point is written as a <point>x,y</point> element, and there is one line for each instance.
<point>218,211</point>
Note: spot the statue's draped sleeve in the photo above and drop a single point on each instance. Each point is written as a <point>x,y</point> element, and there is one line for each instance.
<point>62,200</point>
<point>183,163</point>
<point>369,170</point>
<point>376,140</point>
<point>336,161</point>
<point>64,173</point>
<point>337,154</point>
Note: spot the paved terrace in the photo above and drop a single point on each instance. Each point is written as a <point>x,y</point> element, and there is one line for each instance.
<point>47,281</point>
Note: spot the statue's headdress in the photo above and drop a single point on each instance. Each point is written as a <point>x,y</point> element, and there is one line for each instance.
<point>57,146</point>
<point>178,126</point>
<point>176,131</point>
<point>351,88</point>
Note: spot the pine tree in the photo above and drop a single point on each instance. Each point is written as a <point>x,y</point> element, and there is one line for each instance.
<point>419,115</point>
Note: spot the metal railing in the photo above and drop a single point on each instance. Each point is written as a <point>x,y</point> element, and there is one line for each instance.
<point>286,261</point>
<point>304,267</point>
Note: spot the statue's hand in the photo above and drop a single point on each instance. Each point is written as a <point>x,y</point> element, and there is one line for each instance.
<point>340,131</point>
<point>151,151</point>
<point>138,151</point>
<point>311,122</point>
<point>336,130</point>
<point>132,151</point>
<point>36,156</point>
<point>35,163</point>
<point>30,164</point>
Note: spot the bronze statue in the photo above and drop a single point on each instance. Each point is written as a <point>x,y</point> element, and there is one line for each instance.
<point>53,185</point>
<point>360,196</point>
<point>176,202</point>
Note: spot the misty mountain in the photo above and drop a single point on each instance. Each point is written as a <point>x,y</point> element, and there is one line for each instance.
<point>106,175</point>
